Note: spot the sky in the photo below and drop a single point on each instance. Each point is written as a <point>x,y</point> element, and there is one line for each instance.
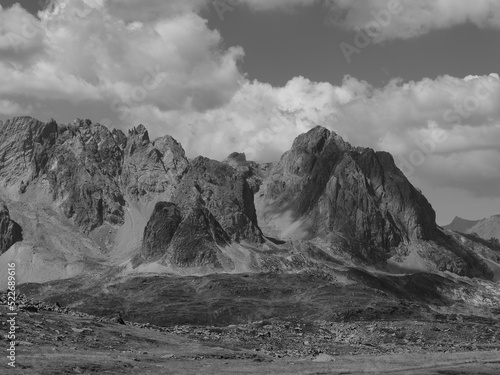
<point>417,78</point>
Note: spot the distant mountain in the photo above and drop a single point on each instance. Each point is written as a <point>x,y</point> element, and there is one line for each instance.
<point>461,225</point>
<point>485,228</point>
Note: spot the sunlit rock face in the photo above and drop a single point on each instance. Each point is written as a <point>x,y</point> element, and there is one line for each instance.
<point>151,168</point>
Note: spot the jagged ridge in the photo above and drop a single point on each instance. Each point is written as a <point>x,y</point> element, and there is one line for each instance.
<point>350,197</point>
<point>486,228</point>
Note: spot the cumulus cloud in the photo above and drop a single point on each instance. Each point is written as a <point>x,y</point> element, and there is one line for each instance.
<point>133,10</point>
<point>43,80</point>
<point>265,5</point>
<point>168,70</point>
<point>430,126</point>
<point>20,34</point>
<point>87,53</point>
<point>9,108</point>
<point>444,131</point>
<point>404,19</point>
<point>260,119</point>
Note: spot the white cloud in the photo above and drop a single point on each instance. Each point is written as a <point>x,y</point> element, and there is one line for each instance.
<point>133,10</point>
<point>414,17</point>
<point>265,5</point>
<point>10,108</point>
<point>408,119</point>
<point>20,34</point>
<point>169,71</point>
<point>44,80</point>
<point>87,53</point>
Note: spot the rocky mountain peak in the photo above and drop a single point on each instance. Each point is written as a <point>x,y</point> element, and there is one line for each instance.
<point>119,137</point>
<point>140,132</point>
<point>21,138</point>
<point>485,228</point>
<point>152,168</point>
<point>316,138</point>
<point>173,155</point>
<point>461,225</point>
<point>311,142</point>
<point>238,157</point>
<point>307,148</point>
<point>357,193</point>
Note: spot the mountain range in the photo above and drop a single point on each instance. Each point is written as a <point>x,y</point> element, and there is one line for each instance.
<point>486,228</point>
<point>95,211</point>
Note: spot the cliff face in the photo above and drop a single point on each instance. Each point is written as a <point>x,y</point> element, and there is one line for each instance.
<point>354,192</point>
<point>10,231</point>
<point>225,193</point>
<point>82,168</point>
<point>185,239</point>
<point>196,242</point>
<point>151,168</point>
<point>160,229</point>
<point>77,165</point>
<point>88,170</point>
<point>23,141</point>
<point>253,172</point>
<point>213,206</point>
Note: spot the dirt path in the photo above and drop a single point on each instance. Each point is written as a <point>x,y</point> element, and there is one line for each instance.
<point>158,362</point>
